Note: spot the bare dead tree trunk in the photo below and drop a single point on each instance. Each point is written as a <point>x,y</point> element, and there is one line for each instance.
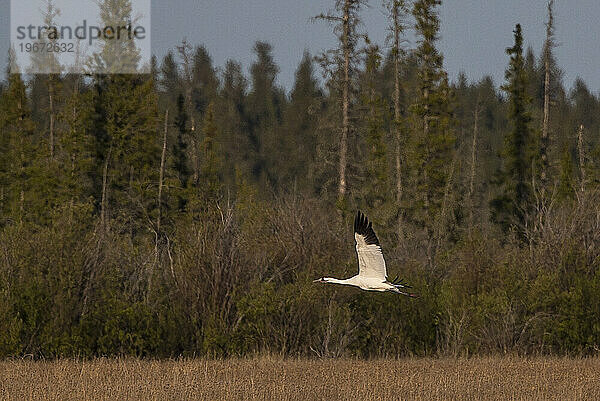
<point>544,142</point>
<point>440,224</point>
<point>431,226</point>
<point>425,161</point>
<point>73,158</point>
<point>345,100</point>
<point>21,167</point>
<point>162,171</point>
<point>473,162</point>
<point>545,135</point>
<point>21,206</point>
<point>425,136</point>
<point>396,8</point>
<point>73,155</point>
<point>93,265</point>
<point>184,50</point>
<point>22,192</point>
<point>581,152</point>
<point>52,116</point>
<point>345,30</point>
<point>158,238</point>
<point>104,190</point>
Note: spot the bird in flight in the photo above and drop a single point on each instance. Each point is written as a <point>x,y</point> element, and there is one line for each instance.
<point>372,275</point>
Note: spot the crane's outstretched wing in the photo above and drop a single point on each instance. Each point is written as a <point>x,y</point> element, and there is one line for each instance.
<point>370,258</point>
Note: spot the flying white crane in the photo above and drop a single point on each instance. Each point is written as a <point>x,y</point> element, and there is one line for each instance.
<point>371,275</point>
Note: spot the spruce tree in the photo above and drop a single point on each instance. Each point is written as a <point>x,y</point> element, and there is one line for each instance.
<point>76,159</point>
<point>206,83</point>
<point>566,183</point>
<point>397,10</point>
<point>433,137</point>
<point>299,141</point>
<point>4,163</point>
<point>585,103</point>
<point>547,57</point>
<point>231,116</point>
<point>170,84</point>
<point>204,197</point>
<point>180,159</point>
<point>126,126</point>
<point>513,204</point>
<point>116,55</point>
<point>46,83</point>
<point>131,102</point>
<point>211,168</point>
<point>376,183</point>
<point>265,103</point>
<point>19,155</point>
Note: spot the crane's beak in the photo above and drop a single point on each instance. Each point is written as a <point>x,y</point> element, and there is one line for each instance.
<point>319,280</point>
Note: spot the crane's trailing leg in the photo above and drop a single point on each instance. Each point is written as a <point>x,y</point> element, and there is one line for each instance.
<point>396,290</point>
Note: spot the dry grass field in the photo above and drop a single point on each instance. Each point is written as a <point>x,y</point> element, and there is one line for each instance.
<point>276,379</point>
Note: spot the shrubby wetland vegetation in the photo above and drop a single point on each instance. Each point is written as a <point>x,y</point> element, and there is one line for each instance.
<point>185,212</point>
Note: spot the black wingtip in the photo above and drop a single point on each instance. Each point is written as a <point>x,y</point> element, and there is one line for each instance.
<point>358,220</point>
<point>364,227</point>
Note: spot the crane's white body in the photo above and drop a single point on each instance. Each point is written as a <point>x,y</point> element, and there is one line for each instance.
<point>372,274</point>
<point>364,283</point>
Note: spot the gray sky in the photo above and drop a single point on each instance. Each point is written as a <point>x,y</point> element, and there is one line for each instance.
<point>474,33</point>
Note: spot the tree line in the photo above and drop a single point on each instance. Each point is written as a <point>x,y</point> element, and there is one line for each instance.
<point>187,210</point>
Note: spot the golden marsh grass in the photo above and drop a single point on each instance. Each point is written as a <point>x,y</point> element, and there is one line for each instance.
<point>493,378</point>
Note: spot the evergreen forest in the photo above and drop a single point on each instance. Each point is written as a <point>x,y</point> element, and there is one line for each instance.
<point>186,211</point>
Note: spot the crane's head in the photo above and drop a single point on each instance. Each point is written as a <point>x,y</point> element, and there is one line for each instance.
<point>321,280</point>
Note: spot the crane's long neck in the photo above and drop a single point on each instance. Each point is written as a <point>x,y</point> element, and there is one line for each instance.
<point>337,281</point>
